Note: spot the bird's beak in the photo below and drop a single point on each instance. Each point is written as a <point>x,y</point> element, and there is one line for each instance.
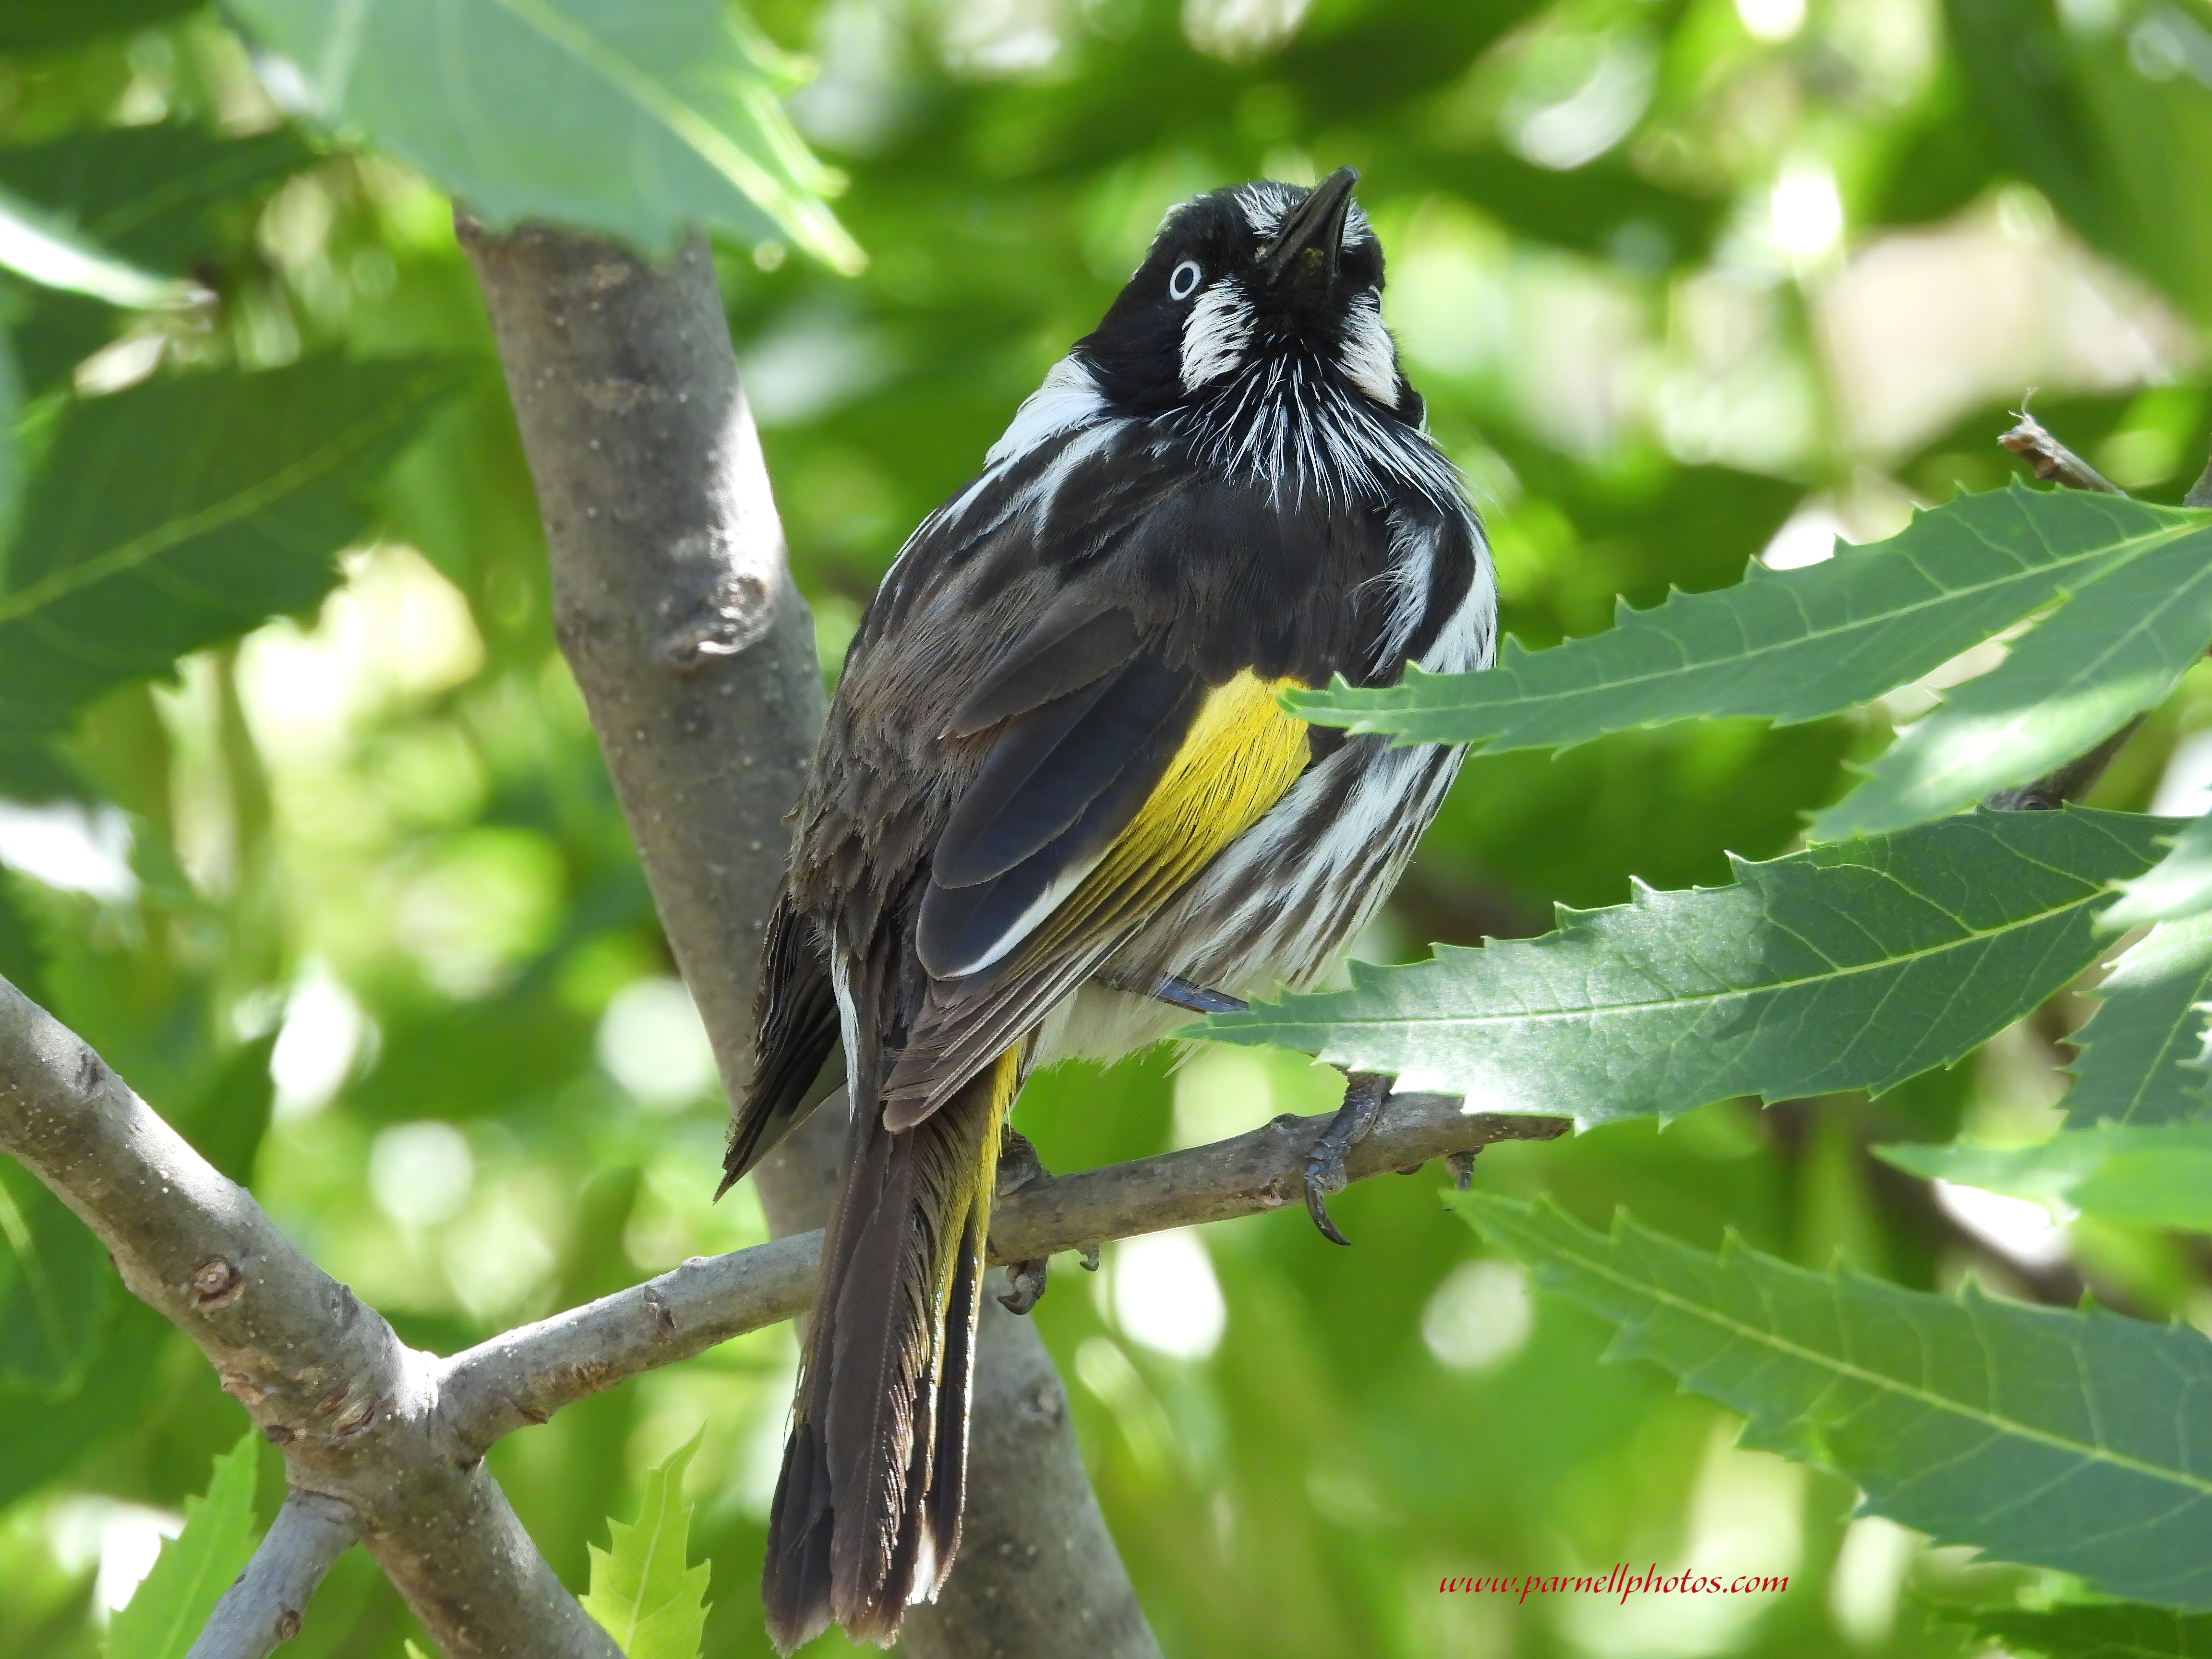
<point>1306,247</point>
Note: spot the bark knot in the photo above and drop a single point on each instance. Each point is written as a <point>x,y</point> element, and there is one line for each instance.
<point>217,1283</point>
<point>728,615</point>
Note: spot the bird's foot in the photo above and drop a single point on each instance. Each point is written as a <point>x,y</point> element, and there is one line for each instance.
<point>1461,1166</point>
<point>1018,1166</point>
<point>1364,1095</point>
<point>1024,1285</point>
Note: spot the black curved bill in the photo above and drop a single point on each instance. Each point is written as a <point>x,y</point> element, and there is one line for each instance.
<point>1315,226</point>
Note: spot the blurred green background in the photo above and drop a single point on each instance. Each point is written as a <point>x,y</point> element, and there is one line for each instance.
<point>1685,282</point>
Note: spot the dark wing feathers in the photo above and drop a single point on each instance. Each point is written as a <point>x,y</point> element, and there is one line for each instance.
<point>795,1016</point>
<point>1061,782</point>
<point>1073,645</point>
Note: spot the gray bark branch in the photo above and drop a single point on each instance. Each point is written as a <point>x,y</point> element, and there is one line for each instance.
<point>268,1605</point>
<point>524,1376</point>
<point>322,1375</point>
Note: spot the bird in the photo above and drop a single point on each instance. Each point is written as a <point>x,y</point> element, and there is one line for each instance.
<point>1057,806</point>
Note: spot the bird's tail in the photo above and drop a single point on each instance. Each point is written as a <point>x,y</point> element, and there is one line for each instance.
<point>866,1514</point>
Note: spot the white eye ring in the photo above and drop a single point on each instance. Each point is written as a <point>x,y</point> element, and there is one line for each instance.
<point>1182,281</point>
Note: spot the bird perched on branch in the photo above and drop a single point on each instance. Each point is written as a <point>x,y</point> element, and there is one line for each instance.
<point>1057,806</point>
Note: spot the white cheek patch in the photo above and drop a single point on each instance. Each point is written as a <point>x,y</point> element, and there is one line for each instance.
<point>1215,335</point>
<point>1368,362</point>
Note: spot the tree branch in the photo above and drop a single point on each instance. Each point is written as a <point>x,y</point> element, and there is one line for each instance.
<point>525,1374</point>
<point>672,597</point>
<point>322,1376</point>
<point>268,1604</point>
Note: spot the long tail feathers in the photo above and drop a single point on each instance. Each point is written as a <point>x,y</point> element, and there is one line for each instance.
<point>866,1515</point>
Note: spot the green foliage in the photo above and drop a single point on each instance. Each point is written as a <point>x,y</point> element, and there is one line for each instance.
<point>2077,1441</point>
<point>2075,112</point>
<point>2142,1050</point>
<point>2178,886</point>
<point>46,25</point>
<point>2150,1176</point>
<point>2116,647</point>
<point>2115,1631</point>
<point>165,1614</point>
<point>635,120</point>
<point>163,196</point>
<point>1943,934</point>
<point>182,512</point>
<point>55,1289</point>
<point>1784,645</point>
<point>643,1596</point>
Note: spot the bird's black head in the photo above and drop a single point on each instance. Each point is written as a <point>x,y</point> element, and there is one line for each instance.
<point>1255,284</point>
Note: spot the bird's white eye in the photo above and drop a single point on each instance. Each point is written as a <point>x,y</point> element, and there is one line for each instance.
<point>1182,281</point>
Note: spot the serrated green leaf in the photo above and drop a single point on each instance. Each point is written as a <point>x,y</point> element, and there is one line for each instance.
<point>1854,965</point>
<point>638,121</point>
<point>2114,649</point>
<point>166,1612</point>
<point>2142,1051</point>
<point>1784,645</point>
<point>181,513</point>
<point>2178,886</point>
<point>2078,1441</point>
<point>2121,1631</point>
<point>642,1594</point>
<point>2150,1176</point>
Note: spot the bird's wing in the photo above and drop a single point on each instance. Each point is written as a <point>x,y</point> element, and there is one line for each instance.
<point>1097,805</point>
<point>796,1064</point>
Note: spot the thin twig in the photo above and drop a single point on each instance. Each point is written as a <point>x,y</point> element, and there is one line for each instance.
<point>524,1376</point>
<point>2052,461</point>
<point>268,1605</point>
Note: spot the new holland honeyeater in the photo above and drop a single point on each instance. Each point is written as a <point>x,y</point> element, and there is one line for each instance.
<point>1057,804</point>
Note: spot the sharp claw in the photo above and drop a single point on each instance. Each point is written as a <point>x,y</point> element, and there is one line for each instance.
<point>1088,1257</point>
<point>1317,1207</point>
<point>1324,1175</point>
<point>1364,1093</point>
<point>1026,1285</point>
